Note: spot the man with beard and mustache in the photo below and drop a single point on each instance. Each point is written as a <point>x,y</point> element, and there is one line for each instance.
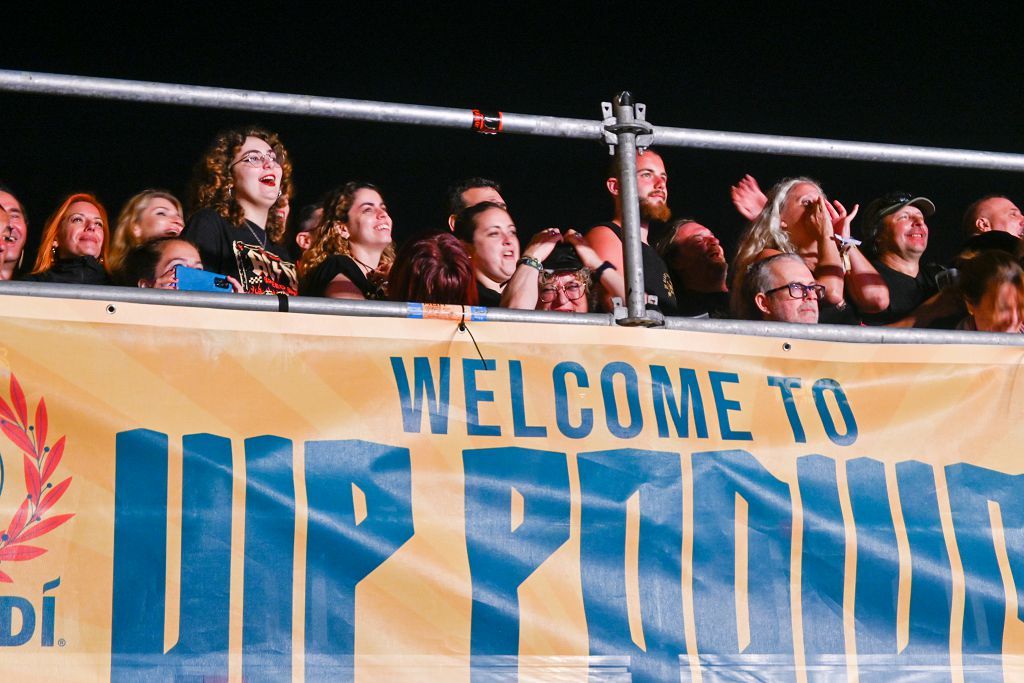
<point>696,263</point>
<point>606,238</point>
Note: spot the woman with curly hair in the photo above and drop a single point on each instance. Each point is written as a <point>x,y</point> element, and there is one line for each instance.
<point>73,245</point>
<point>236,188</point>
<point>149,215</point>
<point>797,218</point>
<point>351,253</point>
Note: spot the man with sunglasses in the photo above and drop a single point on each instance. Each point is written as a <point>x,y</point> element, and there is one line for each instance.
<point>782,289</point>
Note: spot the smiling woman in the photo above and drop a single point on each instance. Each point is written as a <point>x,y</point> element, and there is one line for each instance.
<point>489,233</point>
<point>74,244</point>
<point>149,215</point>
<point>243,177</point>
<point>351,253</point>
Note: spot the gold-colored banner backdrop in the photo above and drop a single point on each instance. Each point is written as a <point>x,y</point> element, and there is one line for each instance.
<point>237,495</point>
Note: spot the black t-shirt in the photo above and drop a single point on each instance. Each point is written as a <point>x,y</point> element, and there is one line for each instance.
<point>487,296</point>
<point>656,277</point>
<point>78,270</point>
<point>696,304</point>
<point>316,281</point>
<point>905,294</point>
<point>261,266</point>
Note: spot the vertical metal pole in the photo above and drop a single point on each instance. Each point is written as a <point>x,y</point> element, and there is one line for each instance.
<point>625,156</point>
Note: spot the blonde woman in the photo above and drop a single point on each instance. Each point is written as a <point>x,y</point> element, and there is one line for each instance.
<point>149,215</point>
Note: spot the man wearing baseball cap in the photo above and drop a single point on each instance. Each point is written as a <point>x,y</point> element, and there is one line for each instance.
<point>895,239</point>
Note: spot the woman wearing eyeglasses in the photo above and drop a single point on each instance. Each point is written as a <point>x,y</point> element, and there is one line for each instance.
<point>557,273</point>
<point>237,185</point>
<point>797,218</point>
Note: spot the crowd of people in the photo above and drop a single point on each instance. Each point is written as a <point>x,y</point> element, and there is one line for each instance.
<point>798,259</point>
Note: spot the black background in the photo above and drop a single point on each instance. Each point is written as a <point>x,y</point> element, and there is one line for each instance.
<point>905,74</point>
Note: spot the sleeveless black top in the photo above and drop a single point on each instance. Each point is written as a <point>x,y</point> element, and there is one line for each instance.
<point>656,277</point>
<point>315,283</point>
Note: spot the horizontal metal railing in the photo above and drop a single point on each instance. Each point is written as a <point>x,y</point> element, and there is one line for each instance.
<point>526,124</point>
<point>109,297</point>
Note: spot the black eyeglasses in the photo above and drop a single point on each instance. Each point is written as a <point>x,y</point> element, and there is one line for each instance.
<point>572,291</point>
<point>798,290</point>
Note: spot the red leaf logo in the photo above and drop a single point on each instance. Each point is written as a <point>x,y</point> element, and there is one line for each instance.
<point>18,399</point>
<point>18,437</point>
<point>50,499</point>
<point>19,553</point>
<point>5,410</point>
<point>40,463</point>
<point>31,478</point>
<point>53,459</point>
<point>44,526</point>
<point>41,424</point>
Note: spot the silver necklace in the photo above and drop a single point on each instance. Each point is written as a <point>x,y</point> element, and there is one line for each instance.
<point>263,242</point>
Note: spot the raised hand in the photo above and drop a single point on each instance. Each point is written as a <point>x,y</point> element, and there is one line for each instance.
<point>588,256</point>
<point>543,243</point>
<point>841,219</point>
<point>747,197</point>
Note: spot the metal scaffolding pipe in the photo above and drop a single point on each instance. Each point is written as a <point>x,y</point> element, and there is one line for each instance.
<point>445,117</point>
<point>836,149</point>
<point>625,130</point>
<point>110,296</point>
<point>281,103</point>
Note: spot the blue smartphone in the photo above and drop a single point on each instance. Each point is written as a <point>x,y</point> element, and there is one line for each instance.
<point>195,280</point>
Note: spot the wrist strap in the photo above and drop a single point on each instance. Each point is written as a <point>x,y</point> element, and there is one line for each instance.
<point>530,261</point>
<point>599,271</point>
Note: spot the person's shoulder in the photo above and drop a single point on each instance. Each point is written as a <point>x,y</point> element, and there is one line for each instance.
<point>205,221</point>
<point>603,231</point>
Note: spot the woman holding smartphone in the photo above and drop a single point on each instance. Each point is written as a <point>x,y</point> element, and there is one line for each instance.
<point>243,177</point>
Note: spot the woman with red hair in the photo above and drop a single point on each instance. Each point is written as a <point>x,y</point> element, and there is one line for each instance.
<point>73,245</point>
<point>433,270</point>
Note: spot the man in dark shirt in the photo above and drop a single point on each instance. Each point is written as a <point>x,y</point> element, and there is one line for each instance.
<point>606,238</point>
<point>896,237</point>
<point>696,263</point>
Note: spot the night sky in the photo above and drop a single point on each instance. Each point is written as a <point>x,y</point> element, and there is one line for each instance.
<point>906,75</point>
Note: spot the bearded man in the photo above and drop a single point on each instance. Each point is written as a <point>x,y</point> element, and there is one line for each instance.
<point>606,238</point>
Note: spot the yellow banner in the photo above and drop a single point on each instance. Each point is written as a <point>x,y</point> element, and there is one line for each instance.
<point>272,496</point>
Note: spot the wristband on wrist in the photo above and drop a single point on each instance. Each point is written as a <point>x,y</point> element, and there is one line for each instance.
<point>530,261</point>
<point>845,244</point>
<point>599,271</point>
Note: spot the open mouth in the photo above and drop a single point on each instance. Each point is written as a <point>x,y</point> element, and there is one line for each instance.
<point>270,180</point>
<point>382,227</point>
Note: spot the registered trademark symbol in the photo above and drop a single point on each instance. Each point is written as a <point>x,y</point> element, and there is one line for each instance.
<point>61,642</point>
